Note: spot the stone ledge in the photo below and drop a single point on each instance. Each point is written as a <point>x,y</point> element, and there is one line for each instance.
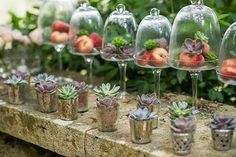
<point>69,139</point>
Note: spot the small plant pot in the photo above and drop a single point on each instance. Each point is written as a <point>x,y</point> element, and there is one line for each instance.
<point>107,117</point>
<point>68,109</point>
<point>16,94</point>
<point>153,108</point>
<point>140,130</point>
<point>222,139</point>
<point>47,101</point>
<point>83,102</point>
<point>182,143</point>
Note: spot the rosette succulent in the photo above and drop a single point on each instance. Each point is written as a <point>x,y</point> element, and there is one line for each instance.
<point>106,90</point>
<point>180,110</point>
<point>15,80</point>
<point>192,46</point>
<point>46,87</point>
<point>107,102</point>
<point>147,100</point>
<point>42,78</point>
<point>20,74</point>
<point>119,42</point>
<point>151,44</point>
<point>143,114</point>
<point>201,36</point>
<point>81,86</point>
<point>223,122</point>
<point>67,92</point>
<point>183,125</point>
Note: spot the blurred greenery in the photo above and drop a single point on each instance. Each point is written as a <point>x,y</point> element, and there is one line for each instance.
<point>139,79</point>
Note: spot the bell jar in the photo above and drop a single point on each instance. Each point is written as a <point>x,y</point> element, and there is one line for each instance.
<point>53,20</point>
<point>195,41</point>
<point>226,69</point>
<point>119,40</point>
<point>152,45</point>
<point>85,34</point>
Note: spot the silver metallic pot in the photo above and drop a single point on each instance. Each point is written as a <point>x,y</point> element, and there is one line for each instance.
<point>68,109</point>
<point>222,139</point>
<point>16,94</point>
<point>140,130</point>
<point>182,143</point>
<point>107,117</point>
<point>47,101</point>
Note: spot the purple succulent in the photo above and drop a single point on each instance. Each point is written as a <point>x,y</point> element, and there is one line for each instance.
<point>162,43</point>
<point>192,46</point>
<point>110,51</point>
<point>81,86</point>
<point>107,101</point>
<point>46,87</point>
<point>127,51</point>
<point>148,99</point>
<point>143,114</point>
<point>20,74</point>
<point>223,122</point>
<point>183,125</point>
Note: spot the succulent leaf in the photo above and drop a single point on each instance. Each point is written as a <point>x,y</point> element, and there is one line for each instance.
<point>107,90</point>
<point>222,122</point>
<point>46,87</point>
<point>15,80</point>
<point>43,78</point>
<point>143,114</point>
<point>192,46</point>
<point>67,92</point>
<point>80,86</point>
<point>150,44</point>
<point>119,42</point>
<point>148,99</point>
<point>201,36</point>
<point>183,125</point>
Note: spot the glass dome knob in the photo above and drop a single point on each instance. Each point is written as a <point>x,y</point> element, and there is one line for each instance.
<point>120,8</point>
<point>197,2</point>
<point>155,12</point>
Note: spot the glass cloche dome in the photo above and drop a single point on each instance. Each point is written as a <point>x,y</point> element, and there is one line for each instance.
<point>152,41</point>
<point>227,58</point>
<point>119,35</point>
<point>54,18</point>
<point>85,33</point>
<point>195,38</point>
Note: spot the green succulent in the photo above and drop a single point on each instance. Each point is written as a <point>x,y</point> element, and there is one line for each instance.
<point>180,110</point>
<point>67,92</point>
<point>106,90</point>
<point>83,32</point>
<point>150,44</point>
<point>201,36</point>
<point>15,80</point>
<point>119,42</point>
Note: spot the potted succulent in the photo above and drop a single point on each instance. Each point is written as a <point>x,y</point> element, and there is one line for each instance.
<point>107,107</point>
<point>152,103</point>
<point>47,96</point>
<point>181,110</point>
<point>68,102</point>
<point>182,130</point>
<point>222,128</point>
<point>16,91</point>
<point>141,125</point>
<point>82,89</point>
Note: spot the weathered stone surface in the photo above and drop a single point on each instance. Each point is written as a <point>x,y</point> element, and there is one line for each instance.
<point>13,147</point>
<point>68,138</point>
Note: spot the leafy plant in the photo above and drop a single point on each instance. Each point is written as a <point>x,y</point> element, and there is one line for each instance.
<point>183,125</point>
<point>119,42</point>
<point>83,32</point>
<point>223,122</point>
<point>106,90</point>
<point>46,87</point>
<point>150,44</point>
<point>180,110</point>
<point>43,78</point>
<point>67,92</point>
<point>15,80</point>
<point>143,114</point>
<point>201,36</point>
<point>147,100</point>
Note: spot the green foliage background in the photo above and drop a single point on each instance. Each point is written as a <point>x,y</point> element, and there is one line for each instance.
<point>138,78</point>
